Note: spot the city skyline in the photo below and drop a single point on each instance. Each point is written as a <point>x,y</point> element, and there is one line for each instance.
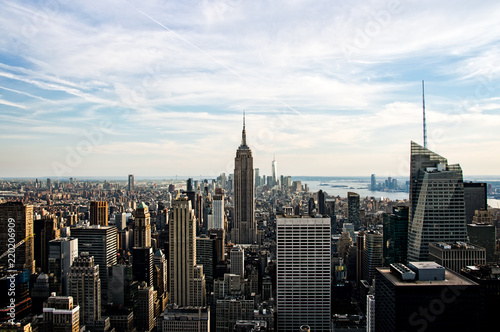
<point>105,88</point>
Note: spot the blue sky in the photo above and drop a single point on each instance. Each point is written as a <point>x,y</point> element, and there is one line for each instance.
<point>333,88</point>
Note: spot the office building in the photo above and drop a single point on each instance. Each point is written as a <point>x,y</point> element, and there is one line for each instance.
<point>62,253</point>
<point>372,254</point>
<point>322,202</point>
<point>373,184</point>
<point>142,265</point>
<point>395,235</point>
<point>120,221</point>
<point>84,285</point>
<point>303,273</point>
<point>160,277</point>
<point>144,310</point>
<point>99,213</point>
<point>456,256</point>
<point>218,211</point>
<point>483,235</point>
<point>131,184</point>
<point>45,230</point>
<point>60,314</point>
<point>122,289</point>
<point>275,171</point>
<point>424,297</point>
<point>475,197</point>
<point>488,278</point>
<point>101,243</point>
<point>353,210</point>
<point>184,319</point>
<point>437,208</point>
<point>206,256</point>
<point>187,281</point>
<point>238,261</point>
<point>18,216</point>
<point>230,310</point>
<point>142,227</point>
<point>370,313</point>
<point>245,228</point>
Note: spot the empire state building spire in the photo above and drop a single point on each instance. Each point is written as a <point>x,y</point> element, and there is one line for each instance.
<point>243,133</point>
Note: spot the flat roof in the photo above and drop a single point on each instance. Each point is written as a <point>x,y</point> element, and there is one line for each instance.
<point>451,279</point>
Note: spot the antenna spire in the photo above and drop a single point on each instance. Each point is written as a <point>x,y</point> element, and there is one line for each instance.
<point>243,133</point>
<point>423,107</point>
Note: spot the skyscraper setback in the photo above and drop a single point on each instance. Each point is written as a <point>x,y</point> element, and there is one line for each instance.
<point>245,228</point>
<point>437,207</point>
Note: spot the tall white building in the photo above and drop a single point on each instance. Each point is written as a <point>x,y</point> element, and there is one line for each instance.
<point>370,313</point>
<point>187,281</point>
<point>437,206</point>
<point>218,211</point>
<point>303,273</point>
<point>275,171</point>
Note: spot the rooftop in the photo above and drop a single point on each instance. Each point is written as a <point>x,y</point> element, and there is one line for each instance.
<point>451,279</point>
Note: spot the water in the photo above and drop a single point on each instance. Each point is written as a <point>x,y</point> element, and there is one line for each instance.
<point>340,186</point>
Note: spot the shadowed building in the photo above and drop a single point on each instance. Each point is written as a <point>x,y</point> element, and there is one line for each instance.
<point>437,208</point>
<point>99,213</point>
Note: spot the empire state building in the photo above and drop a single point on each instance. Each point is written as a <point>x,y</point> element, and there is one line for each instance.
<point>245,228</point>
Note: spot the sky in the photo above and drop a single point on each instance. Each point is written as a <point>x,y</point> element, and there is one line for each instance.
<point>331,88</point>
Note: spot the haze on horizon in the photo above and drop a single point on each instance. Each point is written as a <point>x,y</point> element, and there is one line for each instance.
<point>99,88</point>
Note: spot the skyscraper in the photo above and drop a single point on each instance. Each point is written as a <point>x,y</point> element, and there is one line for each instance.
<point>475,197</point>
<point>353,209</point>
<point>218,211</point>
<point>131,185</point>
<point>99,213</point>
<point>61,315</point>
<point>245,228</point>
<point>303,273</point>
<point>437,208</point>
<point>275,171</point>
<point>100,242</point>
<point>238,261</point>
<point>62,252</point>
<point>142,227</point>
<point>187,281</point>
<point>395,235</point>
<point>372,254</point>
<point>373,185</point>
<point>18,217</point>
<point>85,287</point>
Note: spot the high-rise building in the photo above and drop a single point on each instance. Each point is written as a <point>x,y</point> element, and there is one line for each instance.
<point>62,252</point>
<point>437,208</point>
<point>160,277</point>
<point>144,311</point>
<point>396,235</point>
<point>131,185</point>
<point>322,202</point>
<point>442,301</point>
<point>232,309</point>
<point>101,243</point>
<point>187,281</point>
<point>370,313</point>
<point>238,261</point>
<point>245,227</point>
<point>353,209</point>
<point>372,254</point>
<point>218,211</point>
<point>373,184</point>
<point>257,177</point>
<point>475,197</point>
<point>275,171</point>
<point>142,227</point>
<point>17,218</point>
<point>219,235</point>
<point>84,286</point>
<point>483,235</point>
<point>456,256</point>
<point>206,256</point>
<point>142,264</point>
<point>60,314</point>
<point>99,213</point>
<point>360,248</point>
<point>303,273</point>
<point>45,229</point>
